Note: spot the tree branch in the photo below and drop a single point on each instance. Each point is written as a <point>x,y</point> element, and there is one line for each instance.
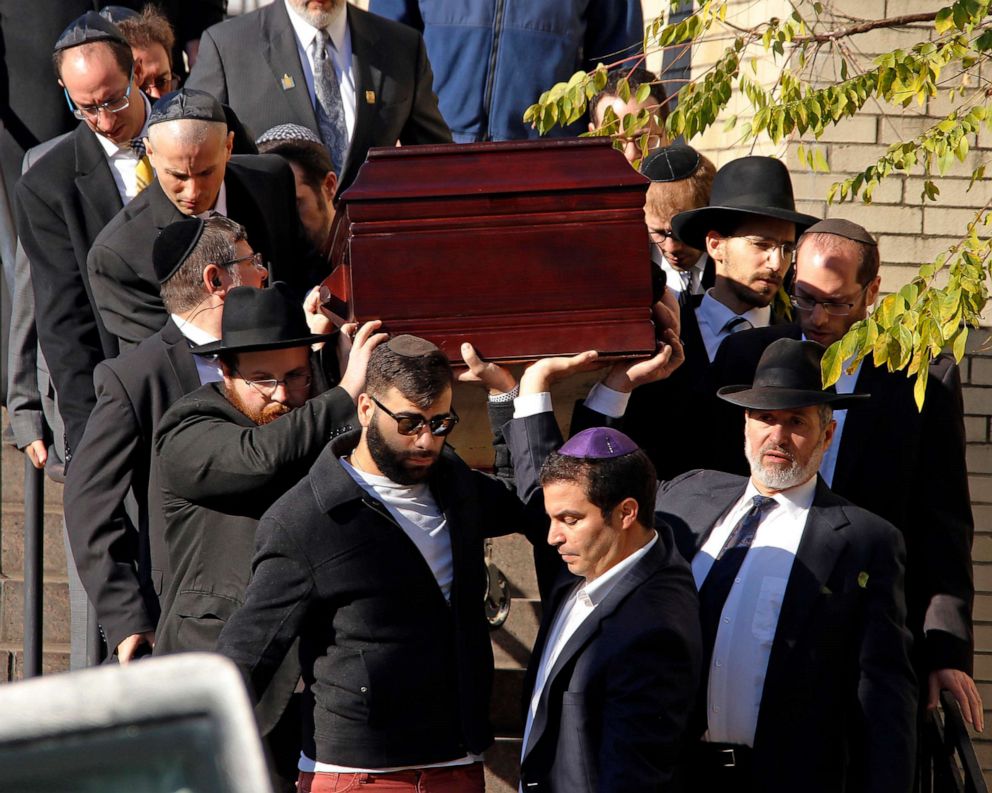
<point>865,27</point>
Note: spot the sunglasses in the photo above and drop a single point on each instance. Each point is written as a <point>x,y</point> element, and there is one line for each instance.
<point>412,423</point>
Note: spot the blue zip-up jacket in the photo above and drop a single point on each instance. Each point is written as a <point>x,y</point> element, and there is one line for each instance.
<point>492,59</point>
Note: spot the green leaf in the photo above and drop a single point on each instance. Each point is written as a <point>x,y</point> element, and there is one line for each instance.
<point>920,387</point>
<point>960,340</point>
<point>831,365</point>
<point>643,92</point>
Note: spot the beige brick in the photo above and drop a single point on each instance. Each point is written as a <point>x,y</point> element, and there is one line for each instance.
<point>862,128</point>
<point>810,185</point>
<point>864,9</point>
<point>977,401</point>
<point>983,583</point>
<point>979,345</point>
<point>953,192</point>
<point>981,368</point>
<point>976,429</point>
<point>983,664</point>
<point>982,515</point>
<point>941,220</point>
<point>981,548</point>
<point>981,489</point>
<point>911,248</point>
<point>880,41</point>
<point>883,219</point>
<point>854,159</point>
<point>979,456</point>
<point>894,277</point>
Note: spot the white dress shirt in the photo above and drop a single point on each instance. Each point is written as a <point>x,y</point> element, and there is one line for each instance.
<point>750,614</point>
<point>122,159</point>
<point>220,205</point>
<point>713,316</point>
<point>580,603</point>
<point>207,366</point>
<point>844,385</point>
<point>339,53</point>
<point>676,279</point>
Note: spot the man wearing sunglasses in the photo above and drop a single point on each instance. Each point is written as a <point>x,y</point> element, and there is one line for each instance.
<point>226,452</point>
<point>375,563</point>
<point>905,465</point>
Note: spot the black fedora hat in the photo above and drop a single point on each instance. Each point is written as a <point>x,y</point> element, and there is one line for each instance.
<point>261,319</point>
<point>749,186</point>
<point>788,377</point>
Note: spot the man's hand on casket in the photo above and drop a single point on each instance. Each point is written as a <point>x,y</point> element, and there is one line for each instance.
<point>539,376</point>
<point>666,315</point>
<point>496,379</point>
<point>626,376</point>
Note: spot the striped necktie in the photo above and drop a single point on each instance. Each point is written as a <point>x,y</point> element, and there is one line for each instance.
<point>330,108</point>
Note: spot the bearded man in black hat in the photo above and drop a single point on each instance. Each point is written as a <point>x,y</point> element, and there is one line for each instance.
<point>189,144</point>
<point>807,681</point>
<point>748,230</point>
<point>227,451</point>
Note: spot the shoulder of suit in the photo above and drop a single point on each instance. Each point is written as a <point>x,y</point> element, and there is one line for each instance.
<point>265,164</point>
<point>138,362</point>
<point>119,228</point>
<point>205,401</point>
<point>702,477</point>
<point>54,168</point>
<point>233,31</point>
<point>382,25</point>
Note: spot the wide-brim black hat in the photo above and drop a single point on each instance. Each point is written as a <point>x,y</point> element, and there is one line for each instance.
<point>261,319</point>
<point>749,186</point>
<point>788,377</point>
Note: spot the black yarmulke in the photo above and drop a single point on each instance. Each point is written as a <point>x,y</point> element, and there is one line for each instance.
<point>411,346</point>
<point>186,103</point>
<point>671,163</point>
<point>842,228</point>
<point>118,14</point>
<point>173,245</point>
<point>86,29</point>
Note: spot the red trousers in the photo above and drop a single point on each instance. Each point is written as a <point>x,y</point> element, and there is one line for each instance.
<point>449,779</point>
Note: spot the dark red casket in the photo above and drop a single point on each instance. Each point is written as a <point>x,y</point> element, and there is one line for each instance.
<point>525,249</point>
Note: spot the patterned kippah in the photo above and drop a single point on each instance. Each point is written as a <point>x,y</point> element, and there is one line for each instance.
<point>598,443</point>
<point>186,103</point>
<point>671,163</point>
<point>411,346</point>
<point>86,29</point>
<point>284,132</point>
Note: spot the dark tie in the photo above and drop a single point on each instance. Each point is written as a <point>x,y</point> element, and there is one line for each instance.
<point>330,108</point>
<point>717,585</point>
<point>736,324</point>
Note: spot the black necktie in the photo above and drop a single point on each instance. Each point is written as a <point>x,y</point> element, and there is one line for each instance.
<point>717,585</point>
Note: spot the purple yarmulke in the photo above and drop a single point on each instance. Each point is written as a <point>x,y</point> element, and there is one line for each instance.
<point>598,443</point>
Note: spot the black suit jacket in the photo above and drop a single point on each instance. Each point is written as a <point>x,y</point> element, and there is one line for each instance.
<point>886,464</point>
<point>63,202</point>
<point>122,559</point>
<point>395,674</point>
<point>245,63</point>
<point>261,196</point>
<point>219,472</point>
<point>612,715</point>
<point>838,707</point>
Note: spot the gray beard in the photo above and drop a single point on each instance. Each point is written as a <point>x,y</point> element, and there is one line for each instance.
<point>319,19</point>
<point>778,478</point>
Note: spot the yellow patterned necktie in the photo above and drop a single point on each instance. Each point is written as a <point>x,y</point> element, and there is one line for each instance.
<point>143,173</point>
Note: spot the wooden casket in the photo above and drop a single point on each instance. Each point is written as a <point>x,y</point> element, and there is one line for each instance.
<point>525,249</point>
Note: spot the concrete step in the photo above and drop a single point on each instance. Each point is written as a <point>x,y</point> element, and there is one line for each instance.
<point>12,543</point>
<point>54,659</point>
<point>503,766</point>
<point>514,555</point>
<point>505,708</point>
<point>55,612</point>
<point>512,643</point>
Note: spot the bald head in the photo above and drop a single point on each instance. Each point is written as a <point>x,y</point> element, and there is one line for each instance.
<point>190,159</point>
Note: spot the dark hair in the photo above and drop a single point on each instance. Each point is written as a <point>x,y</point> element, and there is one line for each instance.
<point>309,156</point>
<point>868,257</point>
<point>184,288</point>
<point>120,51</point>
<point>635,79</point>
<point>607,482</point>
<point>152,27</point>
<point>420,379</point>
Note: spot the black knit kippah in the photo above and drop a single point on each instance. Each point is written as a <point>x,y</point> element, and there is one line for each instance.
<point>843,228</point>
<point>670,163</point>
<point>173,245</point>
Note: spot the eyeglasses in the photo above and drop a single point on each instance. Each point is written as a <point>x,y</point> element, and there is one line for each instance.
<point>163,83</point>
<point>665,234</point>
<point>255,259</point>
<point>832,307</point>
<point>412,423</point>
<point>93,111</point>
<point>293,382</point>
<point>765,245</point>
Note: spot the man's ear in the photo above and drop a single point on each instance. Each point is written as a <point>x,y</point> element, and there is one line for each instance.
<point>871,292</point>
<point>329,186</point>
<point>229,147</point>
<point>214,282</point>
<point>627,512</point>
<point>366,407</point>
<point>715,243</point>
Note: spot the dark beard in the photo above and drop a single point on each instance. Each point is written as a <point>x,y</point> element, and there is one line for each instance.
<point>266,415</point>
<point>390,462</point>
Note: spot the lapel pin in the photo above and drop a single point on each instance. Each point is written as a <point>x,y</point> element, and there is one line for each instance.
<point>287,82</point>
<point>863,579</point>
<point>370,97</point>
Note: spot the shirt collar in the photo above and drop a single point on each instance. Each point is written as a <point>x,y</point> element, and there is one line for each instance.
<point>220,205</point>
<point>795,499</point>
<point>305,32</point>
<point>717,314</point>
<point>112,149</point>
<point>195,335</point>
<point>599,588</point>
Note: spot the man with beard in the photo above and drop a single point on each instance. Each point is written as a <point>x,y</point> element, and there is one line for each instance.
<point>226,452</point>
<point>807,682</point>
<point>749,231</point>
<point>374,562</point>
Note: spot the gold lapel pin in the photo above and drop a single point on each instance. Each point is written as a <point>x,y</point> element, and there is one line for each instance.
<point>370,97</point>
<point>287,82</point>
